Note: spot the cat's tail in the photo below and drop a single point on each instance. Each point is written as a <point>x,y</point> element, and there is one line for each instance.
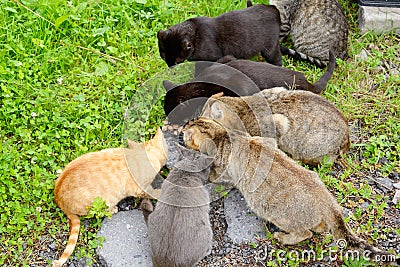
<point>356,248</point>
<point>320,85</point>
<point>74,225</point>
<point>301,56</point>
<point>147,207</point>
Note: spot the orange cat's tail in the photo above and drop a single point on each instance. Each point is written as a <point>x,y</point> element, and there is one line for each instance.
<point>74,226</point>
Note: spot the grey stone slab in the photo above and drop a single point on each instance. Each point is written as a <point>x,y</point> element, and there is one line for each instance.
<point>126,241</point>
<point>243,224</point>
<point>172,141</point>
<point>379,19</point>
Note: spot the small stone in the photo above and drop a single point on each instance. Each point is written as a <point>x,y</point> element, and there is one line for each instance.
<point>384,184</point>
<point>363,55</point>
<point>170,128</point>
<point>396,197</point>
<point>397,185</point>
<point>346,212</point>
<point>175,132</point>
<point>52,246</point>
<point>383,160</point>
<point>365,205</point>
<point>394,176</point>
<point>164,128</point>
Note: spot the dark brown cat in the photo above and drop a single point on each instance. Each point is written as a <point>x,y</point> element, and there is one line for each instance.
<point>266,76</point>
<point>241,33</point>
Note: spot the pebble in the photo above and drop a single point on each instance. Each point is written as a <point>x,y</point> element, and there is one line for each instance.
<point>363,55</point>
<point>384,184</point>
<point>396,185</point>
<point>365,205</point>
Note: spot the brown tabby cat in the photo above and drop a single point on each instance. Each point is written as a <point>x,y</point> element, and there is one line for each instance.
<point>307,126</point>
<point>315,27</point>
<point>111,174</point>
<point>274,186</point>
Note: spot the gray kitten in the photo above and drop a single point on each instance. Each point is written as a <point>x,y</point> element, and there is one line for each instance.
<point>179,227</point>
<point>274,186</point>
<point>307,126</point>
<point>316,27</point>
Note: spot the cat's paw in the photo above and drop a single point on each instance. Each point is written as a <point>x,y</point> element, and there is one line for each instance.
<point>146,205</point>
<point>56,263</point>
<point>147,208</point>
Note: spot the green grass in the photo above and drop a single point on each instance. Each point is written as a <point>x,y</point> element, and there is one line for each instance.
<point>68,71</point>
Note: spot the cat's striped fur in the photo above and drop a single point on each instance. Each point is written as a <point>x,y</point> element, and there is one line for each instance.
<point>315,27</point>
<point>112,174</point>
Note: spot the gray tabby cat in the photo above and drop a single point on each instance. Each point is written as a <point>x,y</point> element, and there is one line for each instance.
<point>315,26</point>
<point>307,126</point>
<point>179,227</point>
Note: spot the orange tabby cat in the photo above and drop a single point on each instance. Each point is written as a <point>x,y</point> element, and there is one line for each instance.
<point>112,174</point>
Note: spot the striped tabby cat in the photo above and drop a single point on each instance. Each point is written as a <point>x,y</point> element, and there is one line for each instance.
<point>315,26</point>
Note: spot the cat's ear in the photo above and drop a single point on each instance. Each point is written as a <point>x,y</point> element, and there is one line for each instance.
<point>168,85</point>
<point>192,161</point>
<point>159,137</point>
<point>205,161</point>
<point>134,145</point>
<point>188,134</point>
<point>187,45</point>
<point>162,35</point>
<point>183,151</point>
<point>218,95</point>
<point>217,112</point>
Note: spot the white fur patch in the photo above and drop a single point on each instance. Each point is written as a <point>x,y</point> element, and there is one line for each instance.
<point>272,94</point>
<point>282,123</point>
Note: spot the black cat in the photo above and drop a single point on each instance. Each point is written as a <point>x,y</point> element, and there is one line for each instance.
<point>266,76</point>
<point>241,33</point>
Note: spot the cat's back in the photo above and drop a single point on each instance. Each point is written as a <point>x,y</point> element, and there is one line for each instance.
<point>89,176</point>
<point>317,128</point>
<point>327,15</point>
<point>260,10</point>
<point>266,75</point>
<point>184,236</point>
<point>302,103</point>
<point>253,15</point>
<point>183,190</point>
<point>276,176</point>
<point>92,161</point>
